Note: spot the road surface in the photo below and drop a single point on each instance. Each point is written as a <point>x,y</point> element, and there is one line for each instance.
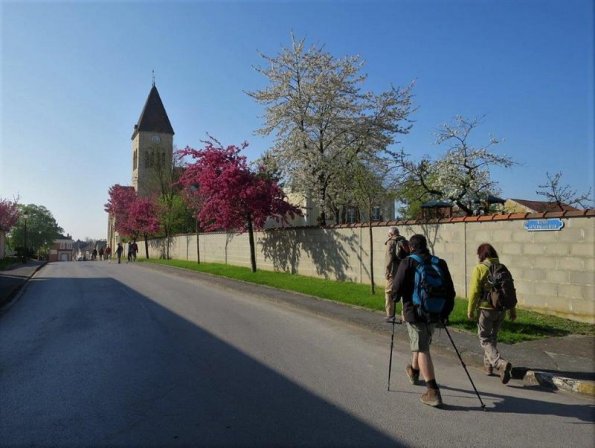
<point>101,354</point>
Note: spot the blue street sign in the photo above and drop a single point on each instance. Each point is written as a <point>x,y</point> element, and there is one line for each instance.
<point>535,225</point>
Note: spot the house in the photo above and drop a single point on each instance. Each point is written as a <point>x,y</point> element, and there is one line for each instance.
<point>348,214</point>
<point>61,249</point>
<point>526,206</point>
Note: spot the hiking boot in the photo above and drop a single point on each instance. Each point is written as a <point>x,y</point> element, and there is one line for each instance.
<point>413,375</point>
<point>432,398</point>
<point>505,373</point>
<point>488,370</point>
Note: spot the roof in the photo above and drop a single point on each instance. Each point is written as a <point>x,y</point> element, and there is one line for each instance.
<point>544,206</point>
<point>153,118</point>
<point>434,203</point>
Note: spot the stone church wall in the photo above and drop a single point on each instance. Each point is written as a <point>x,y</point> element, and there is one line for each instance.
<point>554,271</point>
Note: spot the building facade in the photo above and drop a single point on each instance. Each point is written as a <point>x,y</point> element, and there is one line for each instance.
<point>61,250</point>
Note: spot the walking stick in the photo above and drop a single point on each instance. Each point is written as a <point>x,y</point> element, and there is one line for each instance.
<point>390,362</point>
<point>483,406</point>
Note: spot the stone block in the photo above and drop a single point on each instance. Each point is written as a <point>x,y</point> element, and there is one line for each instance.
<point>570,291</point>
<point>582,277</point>
<point>503,235</point>
<point>545,262</point>
<point>571,263</point>
<point>558,276</point>
<point>533,249</point>
<point>533,274</point>
<point>581,307</point>
<point>546,288</point>
<point>511,249</point>
<point>522,236</point>
<point>582,249</point>
<point>571,234</point>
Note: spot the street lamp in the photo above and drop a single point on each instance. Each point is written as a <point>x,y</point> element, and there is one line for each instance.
<point>25,217</point>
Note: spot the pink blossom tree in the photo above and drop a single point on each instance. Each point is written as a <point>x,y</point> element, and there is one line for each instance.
<point>143,219</point>
<point>232,196</point>
<point>121,199</point>
<point>9,214</point>
<point>133,215</point>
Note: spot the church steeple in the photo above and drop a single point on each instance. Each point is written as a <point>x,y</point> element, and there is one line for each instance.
<point>153,118</point>
<point>152,146</point>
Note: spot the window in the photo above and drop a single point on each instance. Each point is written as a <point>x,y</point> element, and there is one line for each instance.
<point>376,214</point>
<point>156,139</point>
<point>350,218</point>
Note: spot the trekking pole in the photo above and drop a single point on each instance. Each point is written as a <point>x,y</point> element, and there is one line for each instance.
<point>483,406</point>
<point>390,362</point>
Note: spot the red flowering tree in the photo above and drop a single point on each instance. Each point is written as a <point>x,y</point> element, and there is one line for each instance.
<point>9,214</point>
<point>133,215</point>
<point>143,218</point>
<point>232,197</point>
<point>121,199</point>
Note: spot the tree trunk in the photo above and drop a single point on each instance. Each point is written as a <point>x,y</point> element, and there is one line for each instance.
<point>372,285</point>
<point>197,245</point>
<point>146,246</point>
<point>252,248</point>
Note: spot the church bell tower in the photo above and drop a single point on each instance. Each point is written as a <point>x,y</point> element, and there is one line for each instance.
<point>152,146</point>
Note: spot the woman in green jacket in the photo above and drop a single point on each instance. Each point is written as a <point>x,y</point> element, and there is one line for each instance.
<point>489,319</point>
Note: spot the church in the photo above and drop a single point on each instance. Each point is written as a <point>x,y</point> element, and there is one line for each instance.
<point>152,152</point>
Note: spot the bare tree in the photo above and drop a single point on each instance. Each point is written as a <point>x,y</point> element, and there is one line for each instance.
<point>561,195</point>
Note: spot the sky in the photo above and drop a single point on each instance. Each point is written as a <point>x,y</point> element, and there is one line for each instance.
<point>75,76</point>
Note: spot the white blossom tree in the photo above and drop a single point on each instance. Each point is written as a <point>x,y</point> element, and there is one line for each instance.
<point>321,118</point>
<point>462,175</point>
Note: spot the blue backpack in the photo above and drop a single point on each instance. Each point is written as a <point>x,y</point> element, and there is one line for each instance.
<point>429,291</point>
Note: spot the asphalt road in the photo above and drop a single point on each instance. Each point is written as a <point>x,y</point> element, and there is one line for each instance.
<point>98,354</point>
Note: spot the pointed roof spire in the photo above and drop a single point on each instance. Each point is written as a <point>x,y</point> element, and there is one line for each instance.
<point>153,118</point>
<point>153,78</point>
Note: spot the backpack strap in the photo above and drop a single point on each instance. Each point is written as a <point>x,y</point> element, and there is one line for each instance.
<point>417,258</point>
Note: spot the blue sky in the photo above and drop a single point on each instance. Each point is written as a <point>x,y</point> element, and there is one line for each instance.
<point>75,76</point>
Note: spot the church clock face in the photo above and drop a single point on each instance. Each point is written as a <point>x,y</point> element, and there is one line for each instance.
<point>156,139</point>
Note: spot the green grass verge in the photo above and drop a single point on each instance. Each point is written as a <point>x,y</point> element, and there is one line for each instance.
<point>528,326</point>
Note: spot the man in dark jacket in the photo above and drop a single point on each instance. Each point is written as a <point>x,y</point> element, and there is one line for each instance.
<point>419,328</point>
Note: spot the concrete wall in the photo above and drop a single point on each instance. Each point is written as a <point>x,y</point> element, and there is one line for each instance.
<point>554,271</point>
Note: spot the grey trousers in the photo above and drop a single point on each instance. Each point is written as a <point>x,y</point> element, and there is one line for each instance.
<point>389,303</point>
<point>488,326</point>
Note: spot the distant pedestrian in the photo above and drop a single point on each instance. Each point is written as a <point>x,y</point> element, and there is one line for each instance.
<point>119,251</point>
<point>101,253</point>
<point>94,255</point>
<point>108,253</point>
<point>489,319</point>
<point>134,249</point>
<point>397,249</point>
<point>129,251</point>
<point>420,323</point>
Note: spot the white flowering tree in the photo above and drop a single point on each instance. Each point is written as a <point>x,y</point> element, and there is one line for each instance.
<point>321,118</point>
<point>462,176</point>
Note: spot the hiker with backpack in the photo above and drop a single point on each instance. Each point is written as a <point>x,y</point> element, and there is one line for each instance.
<point>492,293</point>
<point>397,249</point>
<point>424,283</point>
